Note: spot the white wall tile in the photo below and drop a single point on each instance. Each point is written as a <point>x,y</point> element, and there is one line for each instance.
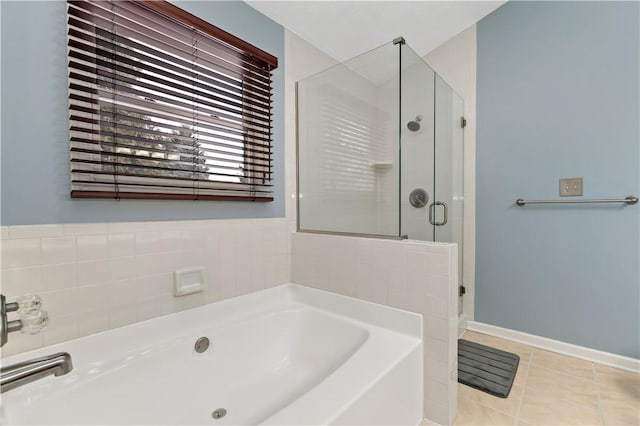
<point>212,292</point>
<point>148,243</point>
<point>35,231</point>
<point>18,342</point>
<point>436,349</point>
<point>407,300</point>
<point>169,240</point>
<point>60,302</point>
<point>18,253</point>
<point>92,322</point>
<point>438,287</point>
<point>435,327</point>
<point>436,392</point>
<point>226,280</point>
<point>154,307</point>
<point>121,244</point>
<point>439,412</point>
<point>155,285</point>
<point>58,250</point>
<point>125,314</point>
<point>91,247</point>
<point>93,272</point>
<point>438,263</point>
<point>20,281</point>
<point>122,292</point>
<point>85,228</point>
<point>121,268</point>
<point>93,298</point>
<point>436,370</point>
<point>187,302</point>
<point>186,259</point>
<point>436,307</point>
<point>127,227</point>
<point>192,240</point>
<point>60,276</point>
<point>60,329</point>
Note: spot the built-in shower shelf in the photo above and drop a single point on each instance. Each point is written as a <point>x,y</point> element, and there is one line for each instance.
<point>381,165</point>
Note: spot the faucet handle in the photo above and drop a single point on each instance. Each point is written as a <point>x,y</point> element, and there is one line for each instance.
<point>34,322</point>
<point>25,304</point>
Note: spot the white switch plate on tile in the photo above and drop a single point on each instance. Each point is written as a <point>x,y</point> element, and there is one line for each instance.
<point>570,187</point>
<point>188,280</point>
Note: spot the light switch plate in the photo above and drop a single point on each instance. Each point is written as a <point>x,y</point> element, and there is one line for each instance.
<point>570,187</point>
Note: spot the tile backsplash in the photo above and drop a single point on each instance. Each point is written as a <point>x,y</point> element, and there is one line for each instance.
<point>411,275</point>
<point>94,277</point>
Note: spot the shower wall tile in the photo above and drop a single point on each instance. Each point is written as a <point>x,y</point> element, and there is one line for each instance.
<point>93,277</point>
<point>416,276</point>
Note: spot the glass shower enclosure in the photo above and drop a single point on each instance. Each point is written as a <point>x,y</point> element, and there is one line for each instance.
<point>380,149</point>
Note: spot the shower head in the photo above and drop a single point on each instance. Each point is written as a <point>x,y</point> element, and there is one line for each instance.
<point>414,126</point>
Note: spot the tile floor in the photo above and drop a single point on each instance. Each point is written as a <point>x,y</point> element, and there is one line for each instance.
<point>552,389</point>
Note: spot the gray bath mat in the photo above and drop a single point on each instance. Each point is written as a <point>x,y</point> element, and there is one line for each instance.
<point>487,369</point>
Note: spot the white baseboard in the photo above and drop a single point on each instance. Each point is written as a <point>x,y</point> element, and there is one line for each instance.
<point>593,355</point>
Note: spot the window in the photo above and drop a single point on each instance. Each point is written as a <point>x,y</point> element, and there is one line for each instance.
<point>163,105</point>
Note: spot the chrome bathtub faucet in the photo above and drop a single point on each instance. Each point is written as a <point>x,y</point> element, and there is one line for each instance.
<point>31,320</point>
<point>29,371</point>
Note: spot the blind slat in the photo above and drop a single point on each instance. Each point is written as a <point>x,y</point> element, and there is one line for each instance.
<point>210,71</point>
<point>164,196</point>
<point>134,29</point>
<point>173,171</point>
<point>134,65</point>
<point>184,106</point>
<point>148,135</point>
<point>154,91</point>
<point>153,107</point>
<point>176,119</point>
<point>195,161</point>
<point>206,152</point>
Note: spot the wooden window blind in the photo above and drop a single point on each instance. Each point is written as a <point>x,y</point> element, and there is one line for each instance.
<point>164,105</point>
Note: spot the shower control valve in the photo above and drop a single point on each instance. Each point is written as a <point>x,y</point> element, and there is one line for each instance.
<point>31,318</point>
<point>25,304</point>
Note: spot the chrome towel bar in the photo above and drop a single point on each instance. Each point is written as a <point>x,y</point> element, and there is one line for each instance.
<point>627,200</point>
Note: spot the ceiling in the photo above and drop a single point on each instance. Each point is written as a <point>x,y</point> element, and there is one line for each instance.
<point>344,29</point>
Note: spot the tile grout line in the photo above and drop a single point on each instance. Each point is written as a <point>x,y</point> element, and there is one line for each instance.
<point>524,388</point>
<point>599,399</point>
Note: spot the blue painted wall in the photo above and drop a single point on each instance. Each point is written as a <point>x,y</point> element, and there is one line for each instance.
<point>35,160</point>
<point>558,96</point>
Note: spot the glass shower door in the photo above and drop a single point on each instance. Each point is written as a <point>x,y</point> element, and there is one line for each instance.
<point>417,149</point>
<point>449,177</point>
<point>448,163</point>
<point>431,145</point>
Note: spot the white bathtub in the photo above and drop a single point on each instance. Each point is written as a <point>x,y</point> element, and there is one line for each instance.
<point>287,355</point>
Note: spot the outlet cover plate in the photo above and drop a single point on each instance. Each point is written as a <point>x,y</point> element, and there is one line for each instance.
<point>570,187</point>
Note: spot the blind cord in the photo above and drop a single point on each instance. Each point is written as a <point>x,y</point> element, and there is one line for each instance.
<point>114,116</point>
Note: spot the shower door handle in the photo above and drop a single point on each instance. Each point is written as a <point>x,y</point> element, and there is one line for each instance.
<point>432,209</point>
